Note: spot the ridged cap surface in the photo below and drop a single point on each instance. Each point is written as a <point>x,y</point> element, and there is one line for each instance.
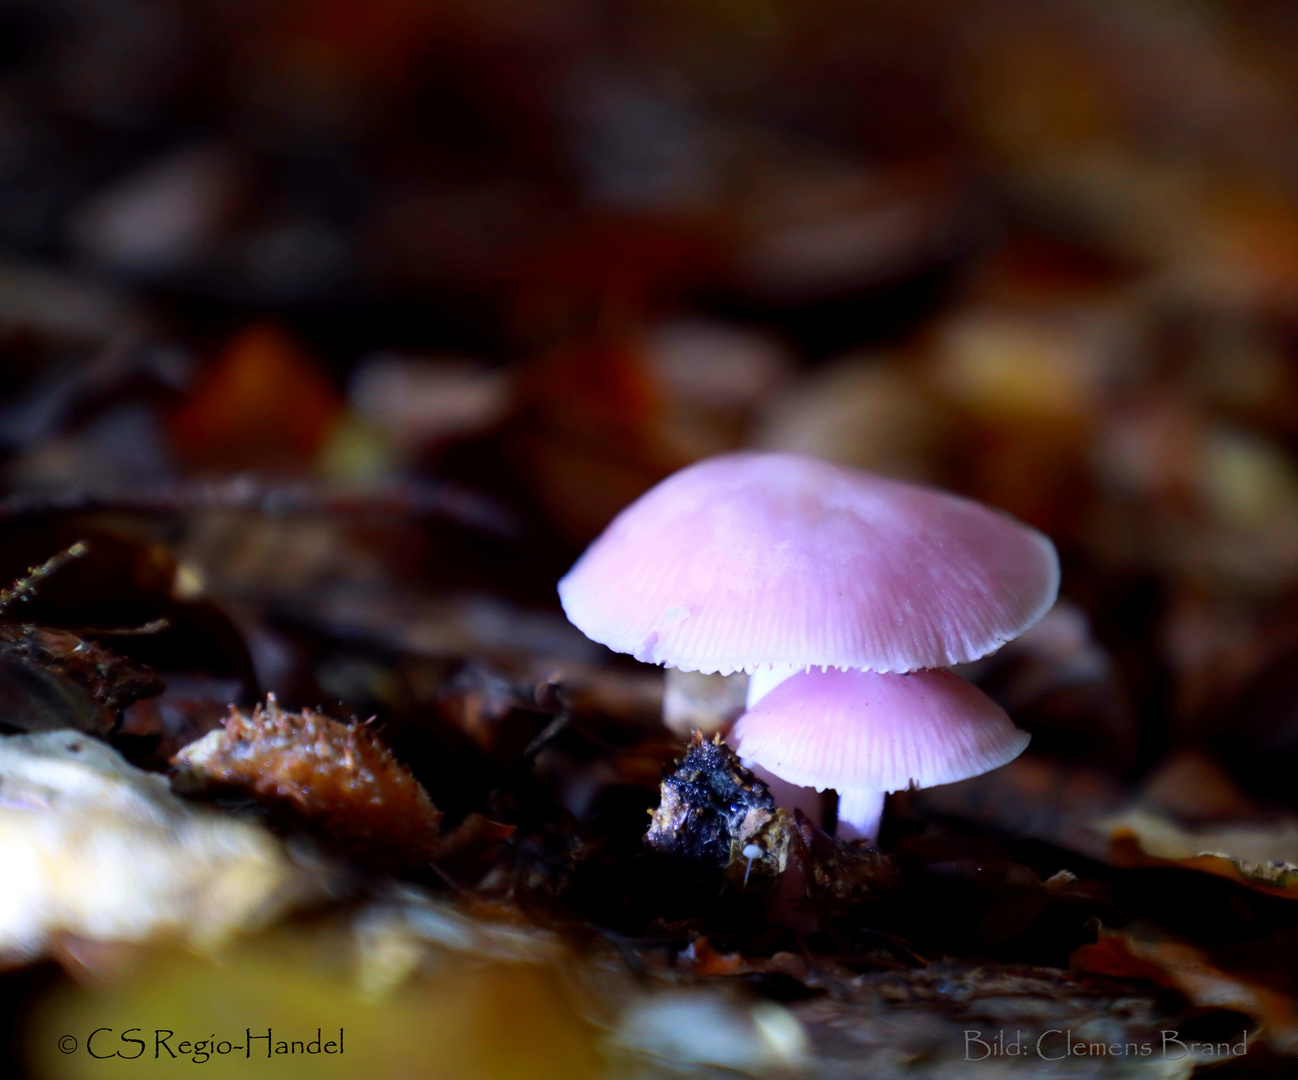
<point>877,731</point>
<point>752,559</point>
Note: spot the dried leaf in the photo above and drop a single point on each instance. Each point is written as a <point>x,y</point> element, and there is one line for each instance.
<point>93,847</point>
<point>468,850</point>
<point>264,404</point>
<point>53,679</point>
<point>971,1020</point>
<point>1143,952</point>
<point>1261,856</point>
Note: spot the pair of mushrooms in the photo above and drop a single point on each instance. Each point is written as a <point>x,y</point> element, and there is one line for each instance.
<point>843,595</point>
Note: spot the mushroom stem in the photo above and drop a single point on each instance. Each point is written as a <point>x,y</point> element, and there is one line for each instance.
<point>788,796</point>
<point>765,679</point>
<point>859,813</point>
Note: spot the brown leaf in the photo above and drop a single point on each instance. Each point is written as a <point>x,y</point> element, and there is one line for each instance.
<point>264,404</point>
<point>53,679</point>
<point>1141,952</point>
<point>467,851</point>
<point>1261,856</point>
<point>102,852</point>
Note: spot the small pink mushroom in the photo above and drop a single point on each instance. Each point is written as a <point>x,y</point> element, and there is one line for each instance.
<point>865,733</point>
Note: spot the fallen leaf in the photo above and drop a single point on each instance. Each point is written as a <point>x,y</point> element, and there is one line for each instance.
<point>53,679</point>
<point>263,404</point>
<point>1143,952</point>
<point>93,847</point>
<point>1261,856</point>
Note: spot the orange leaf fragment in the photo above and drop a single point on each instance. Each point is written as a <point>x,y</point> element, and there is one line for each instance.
<point>1140,953</point>
<point>1242,852</point>
<point>263,404</point>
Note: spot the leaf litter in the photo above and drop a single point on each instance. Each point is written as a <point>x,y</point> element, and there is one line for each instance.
<point>693,924</point>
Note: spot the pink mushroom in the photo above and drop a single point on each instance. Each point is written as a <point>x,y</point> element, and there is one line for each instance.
<point>865,733</point>
<point>776,562</point>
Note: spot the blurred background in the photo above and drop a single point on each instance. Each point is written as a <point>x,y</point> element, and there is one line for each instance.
<point>1045,255</point>
<point>341,327</point>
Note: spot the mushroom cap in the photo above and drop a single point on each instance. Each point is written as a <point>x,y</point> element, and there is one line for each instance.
<point>878,731</point>
<point>751,559</point>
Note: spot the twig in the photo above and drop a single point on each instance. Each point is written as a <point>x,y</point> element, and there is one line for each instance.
<point>153,626</point>
<point>24,588</point>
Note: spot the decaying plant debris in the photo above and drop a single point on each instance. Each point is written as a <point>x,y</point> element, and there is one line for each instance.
<point>338,777</point>
<point>525,809</point>
<point>98,851</point>
<point>715,812</point>
<point>54,679</point>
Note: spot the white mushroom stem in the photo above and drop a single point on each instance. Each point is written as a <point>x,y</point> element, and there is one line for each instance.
<point>707,703</point>
<point>765,679</point>
<point>788,796</point>
<point>866,732</point>
<point>859,813</point>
